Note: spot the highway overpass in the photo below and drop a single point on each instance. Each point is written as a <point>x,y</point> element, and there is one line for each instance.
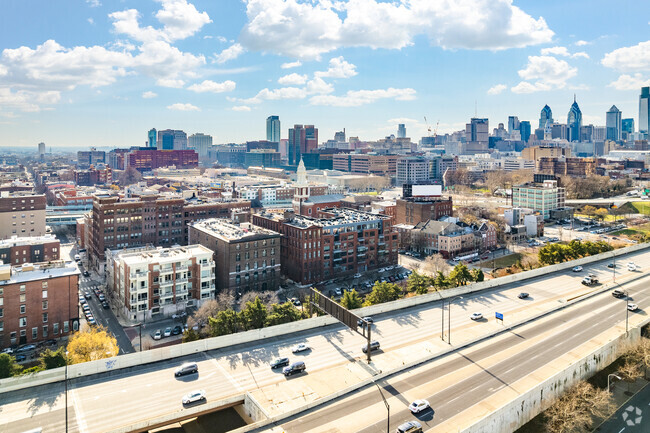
<point>453,383</point>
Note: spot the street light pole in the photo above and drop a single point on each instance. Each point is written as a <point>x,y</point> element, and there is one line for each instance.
<point>66,391</point>
<point>387,408</point>
<point>627,310</point>
<point>610,375</point>
<point>449,318</point>
<point>442,324</point>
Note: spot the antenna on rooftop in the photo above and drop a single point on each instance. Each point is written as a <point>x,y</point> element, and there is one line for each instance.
<point>475,108</point>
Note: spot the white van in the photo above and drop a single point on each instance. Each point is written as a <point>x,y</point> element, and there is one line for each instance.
<point>77,258</point>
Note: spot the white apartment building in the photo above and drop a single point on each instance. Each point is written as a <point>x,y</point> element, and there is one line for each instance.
<point>148,282</point>
<point>514,164</point>
<point>412,170</point>
<point>542,198</point>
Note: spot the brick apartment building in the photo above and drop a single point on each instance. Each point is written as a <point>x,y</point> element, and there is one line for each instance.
<point>124,222</point>
<point>338,242</point>
<point>247,257</point>
<point>22,215</point>
<point>37,302</point>
<point>16,251</point>
<point>150,281</point>
<point>414,210</point>
<point>575,167</point>
<point>72,197</point>
<point>102,175</point>
<point>149,159</point>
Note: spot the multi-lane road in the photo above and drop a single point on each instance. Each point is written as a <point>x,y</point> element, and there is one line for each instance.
<point>106,402</point>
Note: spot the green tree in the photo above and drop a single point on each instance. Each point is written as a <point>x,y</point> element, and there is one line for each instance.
<point>382,292</point>
<point>477,275</point>
<point>254,314</point>
<point>226,322</point>
<point>440,281</point>
<point>283,313</point>
<point>53,358</point>
<point>351,300</point>
<point>417,283</point>
<point>8,366</point>
<point>191,335</point>
<point>460,275</point>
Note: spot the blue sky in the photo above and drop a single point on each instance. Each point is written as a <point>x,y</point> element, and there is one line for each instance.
<point>101,73</point>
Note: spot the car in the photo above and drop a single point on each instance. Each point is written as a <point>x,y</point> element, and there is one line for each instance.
<point>577,269</point>
<point>178,329</point>
<point>8,350</point>
<point>632,307</point>
<point>26,348</point>
<point>382,270</point>
<point>418,406</point>
<point>296,367</point>
<point>51,342</point>
<point>364,320</point>
<point>77,258</point>
<point>86,274</point>
<point>194,396</point>
<point>611,265</point>
<point>357,275</point>
<point>82,300</point>
<point>92,321</point>
<point>476,316</point>
<point>297,303</point>
<point>86,308</point>
<point>391,279</point>
<point>101,297</point>
<point>280,362</point>
<point>410,427</point>
<point>157,335</point>
<point>522,295</point>
<point>631,266</point>
<point>299,348</point>
<point>187,368</point>
<point>105,305</point>
<point>168,331</point>
<point>87,295</point>
<point>337,292</point>
<point>374,345</point>
<point>618,293</point>
<point>179,315</point>
<point>20,358</point>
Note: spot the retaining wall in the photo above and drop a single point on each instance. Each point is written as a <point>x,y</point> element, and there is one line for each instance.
<point>176,351</point>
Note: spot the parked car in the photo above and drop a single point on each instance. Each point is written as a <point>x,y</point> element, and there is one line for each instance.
<point>357,275</point>
<point>178,329</point>
<point>577,269</point>
<point>296,367</point>
<point>632,307</point>
<point>101,297</point>
<point>299,348</point>
<point>26,348</point>
<point>337,292</point>
<point>8,350</point>
<point>187,368</point>
<point>418,406</point>
<point>105,305</point>
<point>476,316</point>
<point>194,397</point>
<point>157,335</point>
<point>280,362</point>
<point>374,345</point>
<point>77,258</point>
<point>168,331</point>
<point>20,357</point>
<point>91,321</point>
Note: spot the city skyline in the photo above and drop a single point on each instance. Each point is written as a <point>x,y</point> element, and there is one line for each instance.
<point>104,73</point>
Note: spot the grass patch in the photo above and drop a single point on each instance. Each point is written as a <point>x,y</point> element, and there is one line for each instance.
<point>504,262</point>
<point>641,207</point>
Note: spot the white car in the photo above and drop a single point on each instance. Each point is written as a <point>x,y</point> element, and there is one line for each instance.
<point>8,350</point>
<point>194,396</point>
<point>418,406</point>
<point>631,266</point>
<point>632,307</point>
<point>577,269</point>
<point>337,292</point>
<point>299,348</point>
<point>357,275</point>
<point>476,316</point>
<point>382,270</point>
<point>157,335</point>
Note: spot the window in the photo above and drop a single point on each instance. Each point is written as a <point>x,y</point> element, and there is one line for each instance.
<point>45,305</point>
<point>34,333</point>
<point>66,326</point>
<point>55,328</point>
<point>44,331</point>
<point>44,294</point>
<point>22,322</point>
<point>44,317</point>
<point>2,312</point>
<point>22,309</point>
<point>2,326</point>
<point>44,284</point>
<point>22,288</point>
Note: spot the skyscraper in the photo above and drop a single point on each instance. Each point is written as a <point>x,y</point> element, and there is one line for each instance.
<point>613,123</point>
<point>524,128</point>
<point>171,139</point>
<point>627,125</point>
<point>200,142</point>
<point>476,136</point>
<point>574,121</point>
<point>152,138</point>
<point>273,129</point>
<point>644,110</point>
<point>401,131</point>
<point>546,116</point>
<point>302,139</point>
<point>311,139</point>
<point>513,124</point>
<point>41,150</point>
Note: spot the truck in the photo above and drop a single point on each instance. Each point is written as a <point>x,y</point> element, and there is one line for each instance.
<point>590,280</point>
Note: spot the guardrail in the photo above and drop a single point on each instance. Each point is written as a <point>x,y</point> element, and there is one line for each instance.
<point>166,353</point>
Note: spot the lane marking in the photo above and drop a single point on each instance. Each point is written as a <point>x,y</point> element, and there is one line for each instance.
<point>81,421</point>
<point>227,375</point>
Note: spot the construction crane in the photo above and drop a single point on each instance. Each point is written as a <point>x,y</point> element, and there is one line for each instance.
<point>435,131</point>
<point>428,127</point>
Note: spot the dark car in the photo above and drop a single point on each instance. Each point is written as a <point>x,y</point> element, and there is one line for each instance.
<point>86,274</point>
<point>618,293</point>
<point>374,345</point>
<point>364,320</point>
<point>177,330</point>
<point>280,362</point>
<point>20,358</point>
<point>105,305</point>
<point>522,295</point>
<point>26,348</point>
<point>611,265</point>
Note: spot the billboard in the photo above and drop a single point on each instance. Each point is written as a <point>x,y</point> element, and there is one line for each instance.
<point>426,190</point>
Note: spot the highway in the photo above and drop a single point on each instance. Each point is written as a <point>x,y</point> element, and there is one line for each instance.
<point>152,389</point>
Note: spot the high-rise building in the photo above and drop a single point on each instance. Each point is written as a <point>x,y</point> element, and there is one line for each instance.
<point>273,129</point>
<point>86,158</point>
<point>41,150</point>
<point>513,124</point>
<point>524,129</point>
<point>302,139</point>
<point>339,136</point>
<point>412,169</point>
<point>574,121</point>
<point>401,131</point>
<point>546,116</point>
<point>613,123</point>
<point>644,110</point>
<point>171,139</point>
<point>476,135</point>
<point>627,128</point>
<point>311,139</point>
<point>22,215</point>
<point>201,143</point>
<point>152,138</point>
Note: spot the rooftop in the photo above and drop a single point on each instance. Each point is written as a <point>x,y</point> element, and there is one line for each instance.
<point>228,231</point>
<point>15,241</point>
<point>29,272</point>
<point>340,217</point>
<point>132,256</point>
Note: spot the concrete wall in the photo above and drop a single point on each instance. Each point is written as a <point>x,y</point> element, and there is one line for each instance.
<point>171,352</point>
<point>253,409</point>
<point>522,409</point>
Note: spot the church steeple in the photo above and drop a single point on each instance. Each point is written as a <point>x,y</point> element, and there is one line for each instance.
<point>301,173</point>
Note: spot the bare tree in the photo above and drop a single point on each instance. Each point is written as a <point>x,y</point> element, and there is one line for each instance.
<point>434,263</point>
<point>575,410</point>
<point>208,309</point>
<point>267,297</point>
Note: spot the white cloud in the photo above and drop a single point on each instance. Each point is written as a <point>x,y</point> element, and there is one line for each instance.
<point>149,94</point>
<point>241,108</point>
<point>338,68</point>
<point>93,3</point>
<point>222,39</point>
<point>547,72</point>
<point>634,58</point>
<point>290,65</point>
<point>276,94</point>
<point>580,54</point>
<point>307,30</point>
<point>319,87</point>
<point>292,79</point>
<point>91,21</point>
<point>230,53</point>
<point>27,101</point>
<point>183,107</point>
<point>496,89</point>
<point>214,87</point>
<point>630,82</point>
<point>170,82</point>
<point>563,51</point>
<point>355,98</point>
<point>581,43</point>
